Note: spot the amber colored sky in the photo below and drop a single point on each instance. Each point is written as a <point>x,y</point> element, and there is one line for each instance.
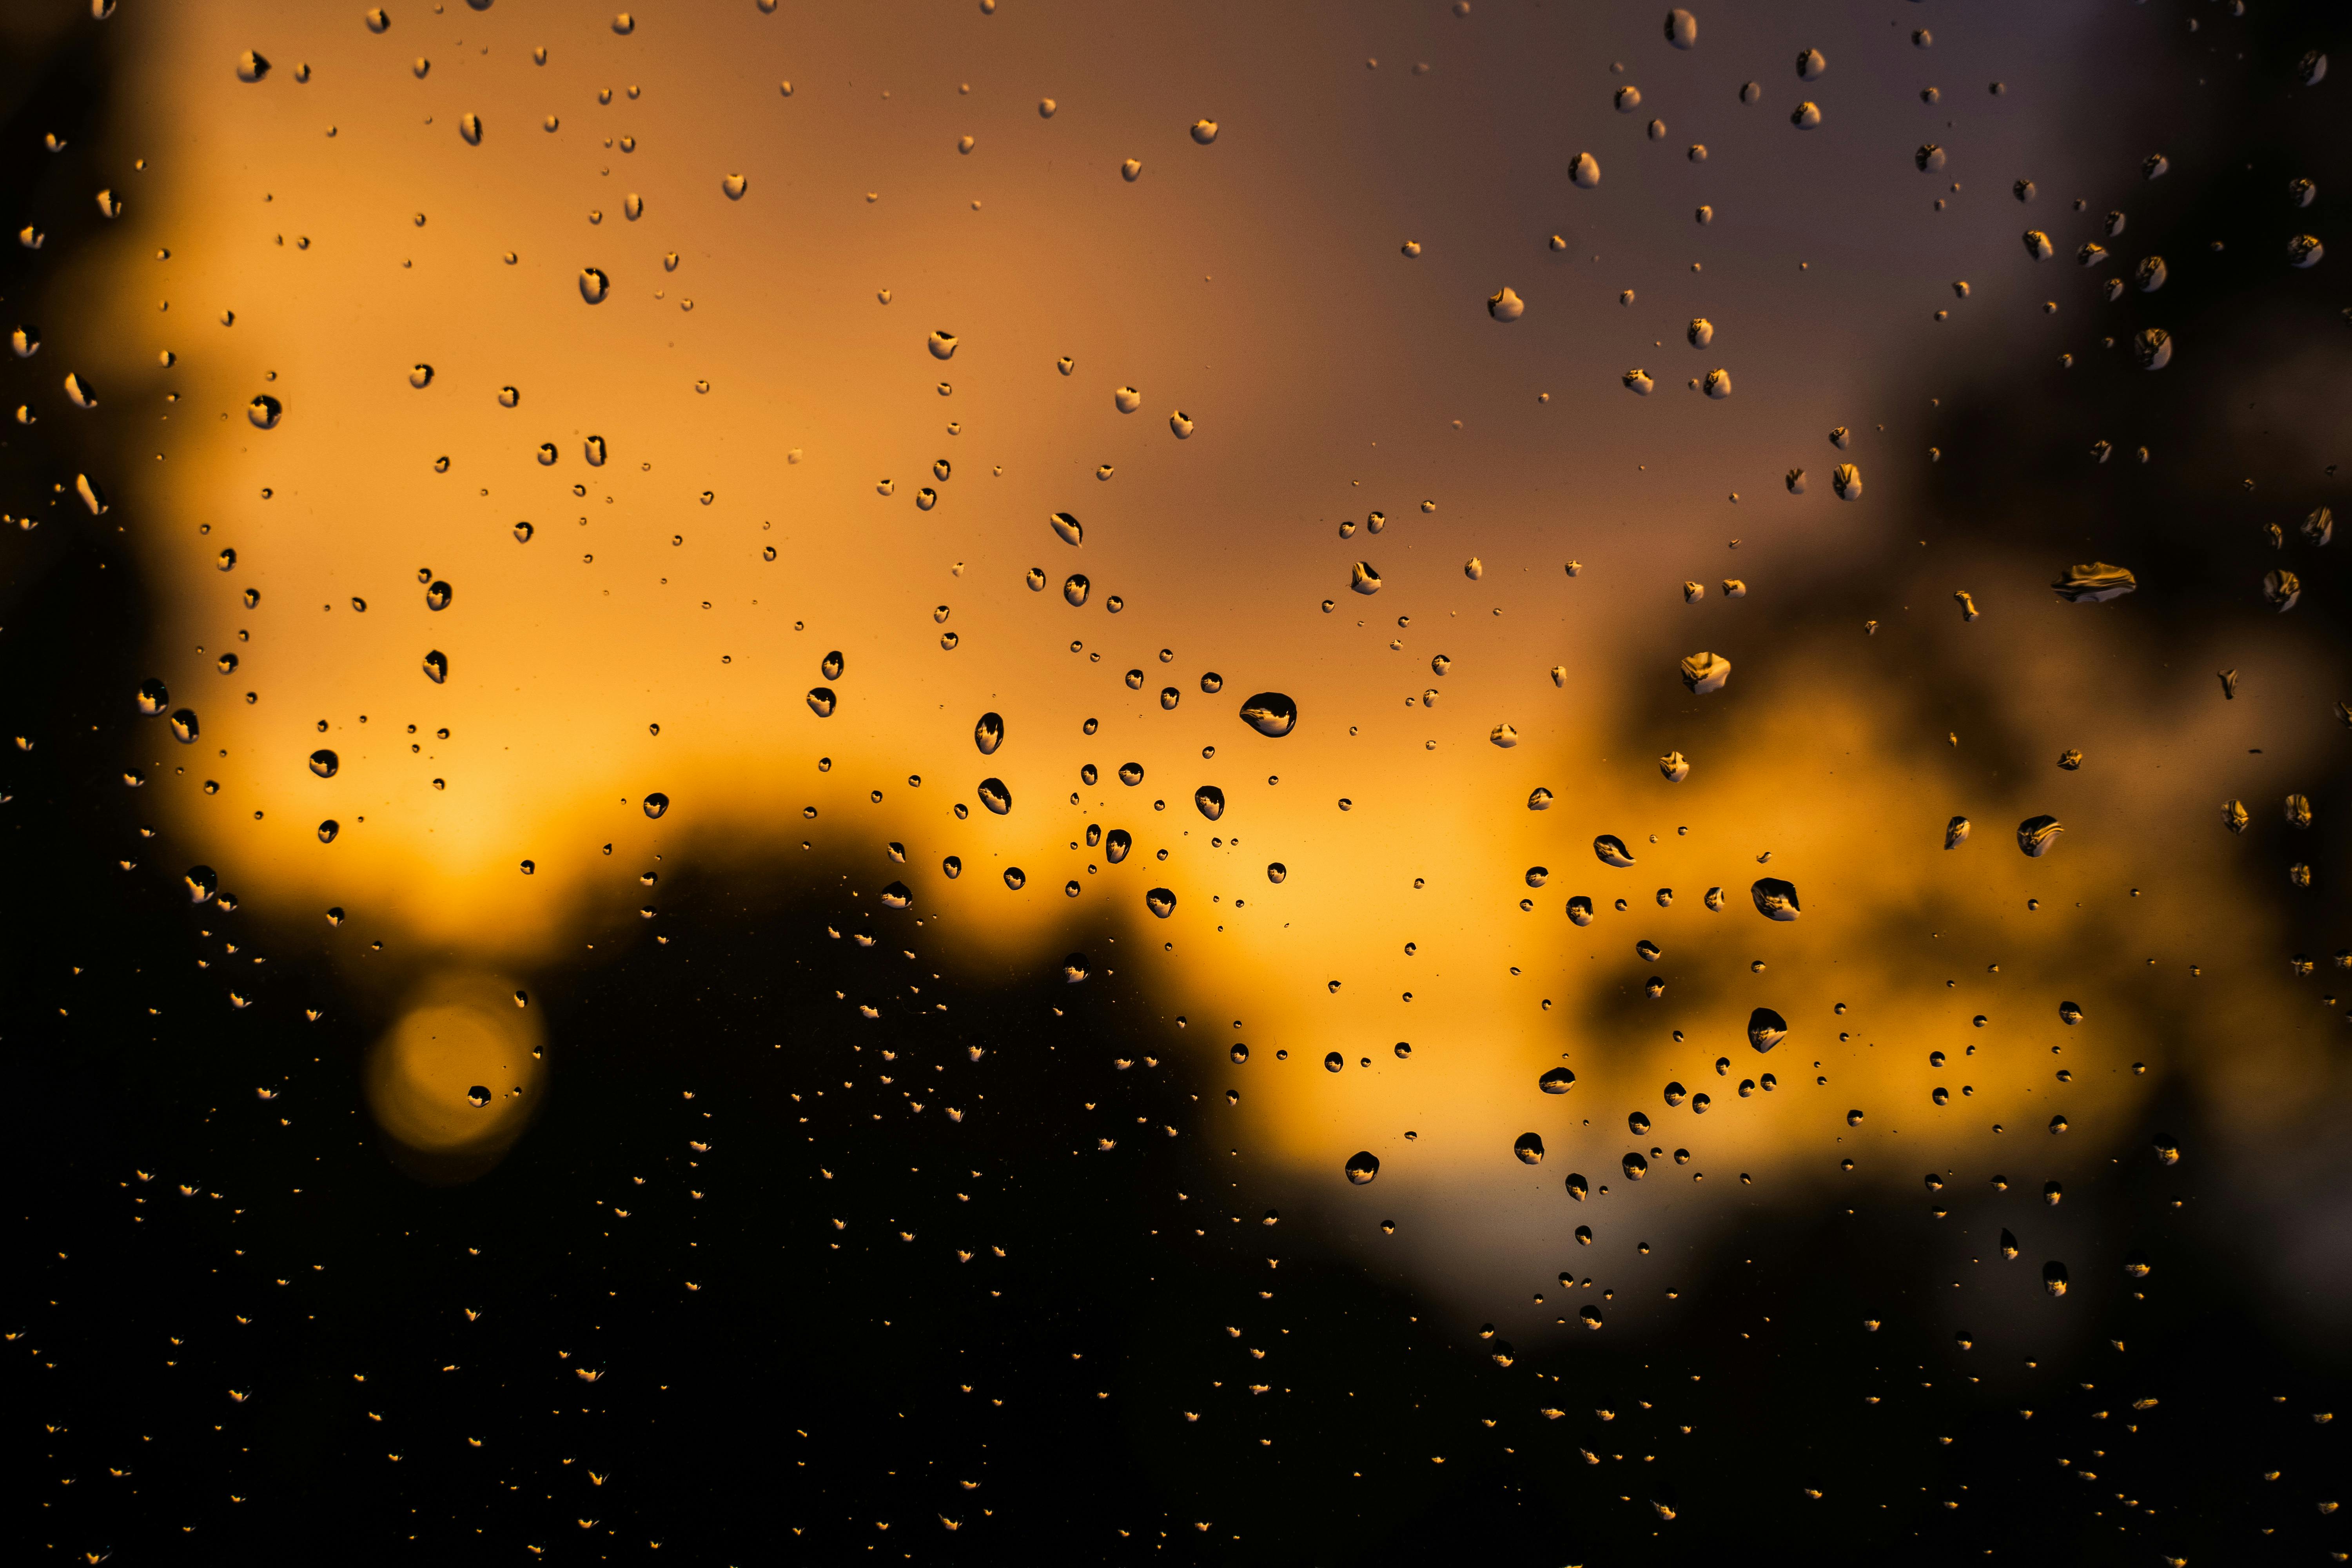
<point>1258,285</point>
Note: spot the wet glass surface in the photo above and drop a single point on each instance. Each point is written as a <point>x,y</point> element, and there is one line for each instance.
<point>997,782</point>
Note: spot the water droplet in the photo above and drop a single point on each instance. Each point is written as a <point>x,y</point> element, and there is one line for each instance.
<point>1635,1168</point>
<point>1638,380</point>
<point>469,127</point>
<point>183,726</point>
<point>2053,1278</point>
<point>995,796</point>
<point>1611,850</point>
<point>1075,589</point>
<point>1016,878</point>
<point>594,286</point>
<point>201,881</point>
<point>1675,766</point>
<point>325,762</point>
<point>1705,673</point>
<point>1161,902</point>
<point>1701,332</point>
<point>1558,1081</point>
<point>153,696</point>
<point>1580,910</point>
<point>820,701</point>
<point>1718,383</point>
<point>1271,714</point>
<point>624,24</point>
<point>1362,1166</point>
<point>1682,28</point>
<point>1211,801</point>
<point>1117,843</point>
<point>251,66</point>
<point>265,412</point>
<point>1530,1148</point>
<point>1363,579</point>
<point>1810,65</point>
<point>1181,423</point>
<point>1929,157</point>
<point>1585,171</point>
<point>1130,170</point>
<point>735,185</point>
<point>1539,799</point>
<point>988,733</point>
<point>420,376</point>
<point>1505,306</point>
<point>1276,871</point>
<point>2152,348</point>
<point>2095,582</point>
<point>436,666</point>
<point>1807,117</point>
<point>2036,836</point>
<point>1130,774</point>
<point>1775,899</point>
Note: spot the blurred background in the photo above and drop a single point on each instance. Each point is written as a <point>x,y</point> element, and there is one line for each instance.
<point>558,562</point>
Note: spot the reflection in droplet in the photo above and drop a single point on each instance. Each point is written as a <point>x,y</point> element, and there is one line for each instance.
<point>594,286</point>
<point>988,733</point>
<point>1766,1028</point>
<point>2037,835</point>
<point>1585,171</point>
<point>325,762</point>
<point>1161,902</point>
<point>820,701</point>
<point>1775,899</point>
<point>1270,714</point>
<point>1117,843</point>
<point>1539,799</point>
<point>1580,910</point>
<point>1069,528</point>
<point>264,412</point>
<point>436,666</point>
<point>154,696</point>
<point>995,796</point>
<point>656,804</point>
<point>183,726</point>
<point>1611,851</point>
<point>1955,833</point>
<point>1363,579</point>
<point>1505,306</point>
<point>1211,800</point>
<point>1075,589</point>
<point>1362,1166</point>
<point>1530,1148</point>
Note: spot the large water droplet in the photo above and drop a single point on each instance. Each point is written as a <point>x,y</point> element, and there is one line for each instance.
<point>1211,800</point>
<point>1529,1149</point>
<point>989,733</point>
<point>1075,589</point>
<point>1559,1080</point>
<point>1068,529</point>
<point>325,762</point>
<point>1161,902</point>
<point>1705,673</point>
<point>995,796</point>
<point>594,286</point>
<point>1271,714</point>
<point>1362,1166</point>
<point>2037,835</point>
<point>1611,851</point>
<point>1775,899</point>
<point>820,701</point>
<point>436,666</point>
<point>201,881</point>
<point>251,66</point>
<point>154,696</point>
<point>2095,582</point>
<point>183,726</point>
<point>1766,1028</point>
<point>1116,845</point>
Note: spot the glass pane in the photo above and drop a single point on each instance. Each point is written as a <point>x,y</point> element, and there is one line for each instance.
<point>1320,783</point>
